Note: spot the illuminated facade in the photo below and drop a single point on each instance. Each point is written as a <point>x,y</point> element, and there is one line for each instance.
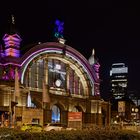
<point>54,79</point>
<point>119,74</point>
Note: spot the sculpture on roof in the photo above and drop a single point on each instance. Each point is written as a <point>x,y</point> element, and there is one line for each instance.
<point>58,31</point>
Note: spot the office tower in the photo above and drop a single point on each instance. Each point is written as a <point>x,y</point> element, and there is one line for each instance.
<point>119,80</point>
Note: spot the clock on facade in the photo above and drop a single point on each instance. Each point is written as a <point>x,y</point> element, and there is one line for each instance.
<point>58,82</point>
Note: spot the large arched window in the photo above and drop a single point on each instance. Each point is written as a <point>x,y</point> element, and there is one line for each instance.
<point>62,76</point>
<point>55,114</point>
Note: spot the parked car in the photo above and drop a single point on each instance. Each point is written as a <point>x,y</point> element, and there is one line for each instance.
<point>32,127</point>
<point>56,127</point>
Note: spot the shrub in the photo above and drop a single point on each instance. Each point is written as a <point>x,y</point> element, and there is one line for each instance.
<point>92,134</point>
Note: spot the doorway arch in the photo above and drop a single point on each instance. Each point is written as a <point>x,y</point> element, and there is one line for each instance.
<point>55,114</point>
<point>77,109</point>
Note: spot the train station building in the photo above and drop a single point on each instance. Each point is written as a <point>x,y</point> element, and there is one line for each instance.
<point>50,82</point>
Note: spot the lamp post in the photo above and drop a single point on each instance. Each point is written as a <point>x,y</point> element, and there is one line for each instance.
<point>134,113</point>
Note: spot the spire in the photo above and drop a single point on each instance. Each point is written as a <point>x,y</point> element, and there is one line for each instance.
<point>13,19</point>
<point>12,40</point>
<point>13,29</point>
<point>92,58</point>
<point>94,63</point>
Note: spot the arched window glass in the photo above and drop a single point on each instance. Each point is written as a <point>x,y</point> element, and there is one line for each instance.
<point>57,73</point>
<point>71,81</point>
<point>58,77</point>
<point>55,114</point>
<point>29,101</point>
<point>40,75</point>
<point>33,75</point>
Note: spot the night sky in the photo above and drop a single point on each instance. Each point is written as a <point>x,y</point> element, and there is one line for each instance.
<point>111,28</point>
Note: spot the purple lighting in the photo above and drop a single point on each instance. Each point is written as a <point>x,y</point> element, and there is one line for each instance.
<point>59,29</point>
<point>12,44</point>
<point>11,52</point>
<point>52,48</point>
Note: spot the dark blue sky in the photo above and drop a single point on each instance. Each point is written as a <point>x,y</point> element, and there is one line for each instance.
<point>112,28</point>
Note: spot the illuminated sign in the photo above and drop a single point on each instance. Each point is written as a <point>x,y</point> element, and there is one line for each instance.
<point>74,116</point>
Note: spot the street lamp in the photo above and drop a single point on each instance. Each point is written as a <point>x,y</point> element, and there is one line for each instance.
<point>134,113</point>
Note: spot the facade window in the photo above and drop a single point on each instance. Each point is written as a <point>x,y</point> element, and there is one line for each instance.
<point>33,75</point>
<point>55,114</point>
<point>81,89</point>
<point>76,83</point>
<point>41,64</point>
<point>29,101</point>
<point>57,73</point>
<point>27,77</point>
<point>71,81</point>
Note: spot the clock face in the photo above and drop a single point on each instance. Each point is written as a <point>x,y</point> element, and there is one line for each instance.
<point>58,82</point>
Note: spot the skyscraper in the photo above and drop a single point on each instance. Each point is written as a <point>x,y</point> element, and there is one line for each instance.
<point>119,80</point>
